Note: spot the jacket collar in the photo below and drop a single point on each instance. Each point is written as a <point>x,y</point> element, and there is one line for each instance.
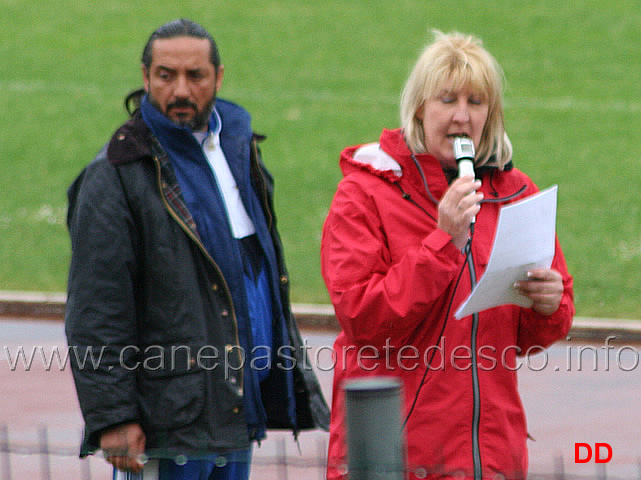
<point>131,142</point>
<point>134,140</point>
<point>392,160</point>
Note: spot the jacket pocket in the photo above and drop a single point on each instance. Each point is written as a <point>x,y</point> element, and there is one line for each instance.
<point>171,387</point>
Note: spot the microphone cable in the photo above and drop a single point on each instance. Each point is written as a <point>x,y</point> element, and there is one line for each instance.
<point>440,336</point>
<point>466,250</point>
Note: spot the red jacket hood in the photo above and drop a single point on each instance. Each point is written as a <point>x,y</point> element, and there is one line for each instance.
<point>391,159</point>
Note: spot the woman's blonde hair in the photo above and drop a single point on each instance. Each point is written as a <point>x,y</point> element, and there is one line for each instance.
<point>456,61</point>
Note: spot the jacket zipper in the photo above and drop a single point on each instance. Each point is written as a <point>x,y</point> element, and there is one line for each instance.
<point>476,392</point>
<point>204,251</point>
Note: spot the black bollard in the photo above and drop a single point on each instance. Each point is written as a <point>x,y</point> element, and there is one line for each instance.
<point>375,449</point>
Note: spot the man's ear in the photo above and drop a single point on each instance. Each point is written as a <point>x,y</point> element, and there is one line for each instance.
<point>220,73</point>
<point>145,78</point>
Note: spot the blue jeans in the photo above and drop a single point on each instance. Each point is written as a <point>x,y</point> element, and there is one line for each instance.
<point>231,466</point>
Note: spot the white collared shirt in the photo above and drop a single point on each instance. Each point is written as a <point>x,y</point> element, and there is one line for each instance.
<point>240,223</point>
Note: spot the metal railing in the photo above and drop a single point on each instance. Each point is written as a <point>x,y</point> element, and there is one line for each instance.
<point>46,459</point>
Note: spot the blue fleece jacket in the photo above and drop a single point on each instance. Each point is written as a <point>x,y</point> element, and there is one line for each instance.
<point>253,290</point>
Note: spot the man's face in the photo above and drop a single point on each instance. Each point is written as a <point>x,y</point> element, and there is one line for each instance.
<point>182,82</point>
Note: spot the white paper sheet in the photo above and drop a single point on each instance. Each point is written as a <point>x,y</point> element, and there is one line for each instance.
<point>524,239</point>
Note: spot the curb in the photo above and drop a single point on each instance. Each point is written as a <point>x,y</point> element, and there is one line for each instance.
<point>36,305</point>
<point>51,306</point>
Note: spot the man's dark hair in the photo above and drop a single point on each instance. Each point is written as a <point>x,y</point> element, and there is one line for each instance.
<point>176,28</point>
<point>180,28</point>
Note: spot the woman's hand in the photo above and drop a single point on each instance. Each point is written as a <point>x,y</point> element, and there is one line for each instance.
<point>459,205</point>
<point>545,287</point>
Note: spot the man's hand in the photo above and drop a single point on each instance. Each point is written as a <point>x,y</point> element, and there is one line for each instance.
<point>122,445</point>
<point>545,287</point>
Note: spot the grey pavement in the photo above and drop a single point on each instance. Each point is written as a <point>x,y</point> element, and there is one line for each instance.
<point>579,391</point>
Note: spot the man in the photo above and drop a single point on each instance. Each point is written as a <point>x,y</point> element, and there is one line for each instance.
<point>177,281</point>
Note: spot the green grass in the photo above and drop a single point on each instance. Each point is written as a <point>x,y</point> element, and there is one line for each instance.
<point>318,76</point>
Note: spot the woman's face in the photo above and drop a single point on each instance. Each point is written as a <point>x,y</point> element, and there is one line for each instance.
<point>448,115</point>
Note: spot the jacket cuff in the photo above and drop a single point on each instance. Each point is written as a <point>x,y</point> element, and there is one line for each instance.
<point>438,241</point>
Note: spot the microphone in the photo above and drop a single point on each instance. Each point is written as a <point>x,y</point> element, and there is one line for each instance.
<point>464,155</point>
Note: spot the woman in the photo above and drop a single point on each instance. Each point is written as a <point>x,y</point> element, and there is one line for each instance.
<point>402,244</point>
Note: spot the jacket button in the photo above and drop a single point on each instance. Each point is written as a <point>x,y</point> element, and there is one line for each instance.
<point>235,410</point>
<point>283,280</point>
<point>214,287</point>
<point>225,313</point>
<point>121,137</point>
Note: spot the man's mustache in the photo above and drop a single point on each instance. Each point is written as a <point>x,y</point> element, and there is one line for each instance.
<point>182,104</point>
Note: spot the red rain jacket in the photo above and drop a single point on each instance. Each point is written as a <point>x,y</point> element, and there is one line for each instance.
<point>392,277</point>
